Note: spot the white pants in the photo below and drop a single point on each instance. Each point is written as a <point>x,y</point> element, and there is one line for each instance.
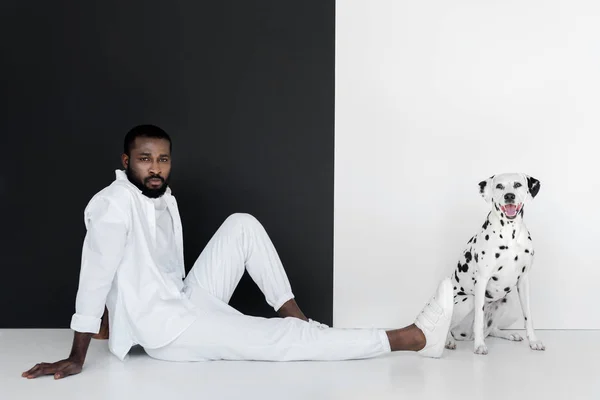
<point>223,333</point>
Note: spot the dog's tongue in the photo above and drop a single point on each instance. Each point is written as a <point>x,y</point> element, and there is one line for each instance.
<point>510,210</point>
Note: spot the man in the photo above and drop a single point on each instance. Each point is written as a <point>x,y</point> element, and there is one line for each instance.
<point>132,263</point>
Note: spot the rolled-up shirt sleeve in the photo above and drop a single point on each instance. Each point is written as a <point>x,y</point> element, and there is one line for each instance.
<point>103,248</point>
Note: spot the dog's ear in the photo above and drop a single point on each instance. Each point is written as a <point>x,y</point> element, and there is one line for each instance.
<point>533,185</point>
<point>485,189</point>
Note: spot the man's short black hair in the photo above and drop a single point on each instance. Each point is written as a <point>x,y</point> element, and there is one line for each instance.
<point>148,131</point>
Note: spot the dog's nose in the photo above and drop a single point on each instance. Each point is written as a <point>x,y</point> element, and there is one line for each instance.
<point>509,197</point>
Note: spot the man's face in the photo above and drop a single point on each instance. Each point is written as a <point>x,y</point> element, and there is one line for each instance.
<point>148,166</point>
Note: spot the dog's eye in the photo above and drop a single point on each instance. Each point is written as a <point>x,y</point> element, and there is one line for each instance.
<point>517,185</point>
<point>500,186</point>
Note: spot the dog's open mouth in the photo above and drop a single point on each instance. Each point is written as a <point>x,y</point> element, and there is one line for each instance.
<point>511,210</point>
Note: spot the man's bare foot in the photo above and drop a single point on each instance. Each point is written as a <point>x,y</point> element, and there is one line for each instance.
<point>410,338</point>
<point>290,309</point>
<point>103,333</point>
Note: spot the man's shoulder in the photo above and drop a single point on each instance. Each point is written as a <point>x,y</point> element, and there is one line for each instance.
<point>118,193</point>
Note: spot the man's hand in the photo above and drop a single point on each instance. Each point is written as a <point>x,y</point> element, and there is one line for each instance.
<point>59,369</point>
<point>69,366</point>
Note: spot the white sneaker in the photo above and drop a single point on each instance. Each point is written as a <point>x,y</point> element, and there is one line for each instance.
<point>435,320</point>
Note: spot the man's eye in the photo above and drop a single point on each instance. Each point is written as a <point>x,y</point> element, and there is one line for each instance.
<point>499,186</point>
<point>144,159</point>
<point>164,159</point>
<point>517,185</point>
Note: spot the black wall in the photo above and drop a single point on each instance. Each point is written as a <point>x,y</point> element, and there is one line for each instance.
<point>246,90</point>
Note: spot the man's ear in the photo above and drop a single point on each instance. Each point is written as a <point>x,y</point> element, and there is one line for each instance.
<point>124,160</point>
<point>485,189</point>
<point>533,185</point>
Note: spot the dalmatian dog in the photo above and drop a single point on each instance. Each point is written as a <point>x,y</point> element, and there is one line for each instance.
<point>496,260</point>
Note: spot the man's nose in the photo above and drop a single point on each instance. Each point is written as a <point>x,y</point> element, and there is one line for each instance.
<point>155,168</point>
<point>509,197</point>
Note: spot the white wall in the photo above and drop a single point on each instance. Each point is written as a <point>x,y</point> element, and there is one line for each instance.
<point>431,98</point>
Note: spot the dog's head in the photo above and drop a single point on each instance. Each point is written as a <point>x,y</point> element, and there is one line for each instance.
<point>509,192</point>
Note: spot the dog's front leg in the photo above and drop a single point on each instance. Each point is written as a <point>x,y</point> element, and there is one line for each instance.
<point>479,301</point>
<point>523,288</point>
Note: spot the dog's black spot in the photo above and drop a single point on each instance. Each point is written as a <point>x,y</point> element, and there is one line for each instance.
<point>503,247</point>
<point>507,289</point>
<point>494,232</point>
<point>465,299</point>
<point>504,300</point>
<point>523,269</point>
<point>461,293</point>
<point>489,323</point>
<point>501,237</point>
<point>525,318</point>
<point>475,282</point>
<point>516,258</point>
<point>468,257</point>
<point>483,252</point>
<point>501,215</point>
<point>529,237</point>
<point>470,240</point>
<point>502,222</point>
<point>500,268</point>
<point>461,289</point>
<point>526,250</point>
<point>487,237</point>
<point>488,294</point>
<point>473,278</point>
<point>476,257</point>
<point>514,231</point>
<point>495,278</point>
<point>454,287</point>
<point>497,255</point>
<point>463,334</point>
<point>464,268</point>
<point>475,241</point>
<point>456,276</point>
<point>496,206</point>
<point>485,224</point>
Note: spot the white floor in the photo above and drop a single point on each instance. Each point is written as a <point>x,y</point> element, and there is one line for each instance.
<point>568,369</point>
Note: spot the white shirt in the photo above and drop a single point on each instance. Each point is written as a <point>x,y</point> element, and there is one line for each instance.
<point>125,265</point>
<point>166,246</point>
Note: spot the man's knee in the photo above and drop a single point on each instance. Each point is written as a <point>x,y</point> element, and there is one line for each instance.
<point>242,219</point>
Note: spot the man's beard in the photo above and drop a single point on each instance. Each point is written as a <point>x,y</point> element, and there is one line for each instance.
<point>146,191</point>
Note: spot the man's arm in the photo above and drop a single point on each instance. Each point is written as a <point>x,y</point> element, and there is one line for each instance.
<point>107,228</point>
<point>103,334</point>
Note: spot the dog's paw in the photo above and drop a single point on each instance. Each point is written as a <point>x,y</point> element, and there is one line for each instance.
<point>451,344</point>
<point>515,337</point>
<point>481,349</point>
<point>537,345</point>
